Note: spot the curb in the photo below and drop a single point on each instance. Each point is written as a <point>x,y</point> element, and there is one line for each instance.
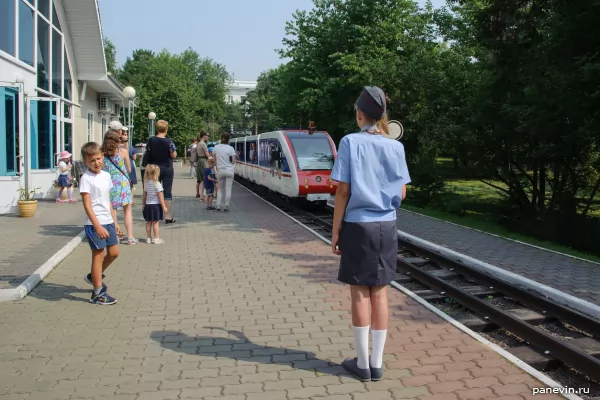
<point>34,279</point>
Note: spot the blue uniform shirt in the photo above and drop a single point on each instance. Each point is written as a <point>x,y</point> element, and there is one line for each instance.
<point>375,167</point>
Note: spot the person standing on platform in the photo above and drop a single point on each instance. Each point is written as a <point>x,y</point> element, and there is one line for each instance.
<point>225,157</point>
<point>193,157</point>
<point>203,155</point>
<point>372,175</point>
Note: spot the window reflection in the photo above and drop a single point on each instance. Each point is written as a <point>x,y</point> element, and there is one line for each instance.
<point>44,8</point>
<point>26,42</point>
<point>7,27</point>
<point>56,66</point>
<point>42,53</point>
<point>68,81</point>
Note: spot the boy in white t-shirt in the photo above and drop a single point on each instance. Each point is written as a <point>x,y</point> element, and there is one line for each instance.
<point>100,227</point>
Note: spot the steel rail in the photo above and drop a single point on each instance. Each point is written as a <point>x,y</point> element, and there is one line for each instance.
<point>562,350</point>
<point>525,297</point>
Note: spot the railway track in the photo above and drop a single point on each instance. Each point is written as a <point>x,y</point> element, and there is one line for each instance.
<point>552,338</point>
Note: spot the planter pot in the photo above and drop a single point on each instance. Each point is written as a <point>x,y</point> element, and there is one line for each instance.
<point>27,208</point>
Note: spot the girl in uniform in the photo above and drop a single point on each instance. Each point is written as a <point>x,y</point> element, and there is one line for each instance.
<point>372,175</point>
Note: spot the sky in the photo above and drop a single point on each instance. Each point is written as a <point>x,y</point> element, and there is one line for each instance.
<point>240,34</point>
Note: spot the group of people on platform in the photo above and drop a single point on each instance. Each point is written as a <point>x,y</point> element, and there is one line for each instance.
<point>213,167</point>
<point>371,173</point>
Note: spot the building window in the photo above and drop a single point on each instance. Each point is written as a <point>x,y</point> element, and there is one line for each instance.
<point>26,40</point>
<point>90,127</point>
<point>42,134</point>
<point>43,53</point>
<point>55,20</point>
<point>68,137</point>
<point>9,126</point>
<point>44,7</point>
<point>68,81</point>
<point>7,27</point>
<point>57,73</point>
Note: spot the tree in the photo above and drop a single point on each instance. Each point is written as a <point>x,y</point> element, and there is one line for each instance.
<point>110,54</point>
<point>183,89</point>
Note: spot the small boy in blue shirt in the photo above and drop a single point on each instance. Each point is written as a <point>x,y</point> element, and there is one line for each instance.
<point>209,183</point>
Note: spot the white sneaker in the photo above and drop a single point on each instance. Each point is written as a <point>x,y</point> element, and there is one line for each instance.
<point>158,241</point>
<point>149,240</point>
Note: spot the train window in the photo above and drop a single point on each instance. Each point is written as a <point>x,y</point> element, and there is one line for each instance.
<point>251,152</point>
<point>313,152</point>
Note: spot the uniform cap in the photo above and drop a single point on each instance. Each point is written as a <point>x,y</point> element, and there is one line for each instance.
<point>372,102</point>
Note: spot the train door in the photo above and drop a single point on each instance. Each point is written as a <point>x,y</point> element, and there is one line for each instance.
<point>252,159</point>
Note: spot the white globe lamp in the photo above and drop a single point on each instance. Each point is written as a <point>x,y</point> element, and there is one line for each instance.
<point>129,92</point>
<point>152,115</point>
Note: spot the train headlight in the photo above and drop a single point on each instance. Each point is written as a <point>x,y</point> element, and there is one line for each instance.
<point>330,186</point>
<point>318,179</point>
<point>305,180</point>
<point>306,186</point>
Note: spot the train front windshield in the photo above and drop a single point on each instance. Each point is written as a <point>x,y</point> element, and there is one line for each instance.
<point>313,152</point>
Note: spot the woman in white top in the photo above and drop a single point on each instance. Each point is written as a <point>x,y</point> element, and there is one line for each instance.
<point>225,157</point>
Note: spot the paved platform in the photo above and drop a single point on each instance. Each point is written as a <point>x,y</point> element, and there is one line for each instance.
<point>27,243</point>
<point>575,277</point>
<point>238,306</point>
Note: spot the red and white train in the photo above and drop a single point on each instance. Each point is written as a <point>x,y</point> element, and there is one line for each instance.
<point>294,163</point>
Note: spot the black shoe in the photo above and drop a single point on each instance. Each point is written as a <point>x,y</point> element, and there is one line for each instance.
<point>169,221</point>
<point>350,365</point>
<point>376,374</point>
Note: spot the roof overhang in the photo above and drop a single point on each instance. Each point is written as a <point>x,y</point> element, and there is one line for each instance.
<point>87,46</point>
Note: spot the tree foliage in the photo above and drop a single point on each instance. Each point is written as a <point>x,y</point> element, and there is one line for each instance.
<point>508,89</point>
<point>184,89</point>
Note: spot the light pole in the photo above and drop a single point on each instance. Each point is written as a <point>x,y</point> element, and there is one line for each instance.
<point>129,94</point>
<point>151,118</point>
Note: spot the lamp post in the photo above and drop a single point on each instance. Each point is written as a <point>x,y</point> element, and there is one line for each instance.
<point>129,94</point>
<point>151,118</point>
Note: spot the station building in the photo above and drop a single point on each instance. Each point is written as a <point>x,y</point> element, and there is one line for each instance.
<point>55,91</point>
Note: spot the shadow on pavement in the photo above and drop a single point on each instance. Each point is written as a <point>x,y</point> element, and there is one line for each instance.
<point>49,291</point>
<point>241,348</point>
<point>61,230</point>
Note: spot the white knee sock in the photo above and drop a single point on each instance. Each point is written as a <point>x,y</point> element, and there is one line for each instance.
<point>361,342</point>
<point>378,342</point>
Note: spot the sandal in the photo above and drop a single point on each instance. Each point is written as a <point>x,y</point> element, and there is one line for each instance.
<point>60,201</point>
<point>169,221</point>
<point>72,201</point>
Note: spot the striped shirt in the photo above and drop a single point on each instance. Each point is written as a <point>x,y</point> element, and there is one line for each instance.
<point>152,189</point>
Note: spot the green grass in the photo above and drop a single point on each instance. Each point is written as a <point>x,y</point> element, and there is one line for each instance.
<point>482,223</point>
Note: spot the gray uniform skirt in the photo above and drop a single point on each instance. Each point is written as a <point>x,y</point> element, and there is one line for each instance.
<point>369,253</point>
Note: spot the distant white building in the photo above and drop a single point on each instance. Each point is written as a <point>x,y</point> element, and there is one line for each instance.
<point>238,89</point>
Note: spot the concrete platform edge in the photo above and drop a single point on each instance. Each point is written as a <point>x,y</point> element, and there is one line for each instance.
<point>565,299</point>
<point>503,353</point>
<point>34,279</point>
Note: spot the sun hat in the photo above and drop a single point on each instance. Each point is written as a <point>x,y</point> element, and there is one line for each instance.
<point>125,129</point>
<point>65,154</point>
<point>116,125</point>
<point>372,102</point>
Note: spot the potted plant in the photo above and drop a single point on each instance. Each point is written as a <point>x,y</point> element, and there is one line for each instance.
<point>27,206</point>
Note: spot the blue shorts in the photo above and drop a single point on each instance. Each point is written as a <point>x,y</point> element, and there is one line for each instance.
<point>100,244</point>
